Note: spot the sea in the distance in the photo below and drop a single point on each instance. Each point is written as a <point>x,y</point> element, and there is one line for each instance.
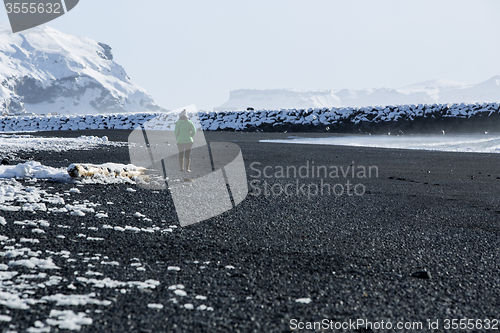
<point>475,143</point>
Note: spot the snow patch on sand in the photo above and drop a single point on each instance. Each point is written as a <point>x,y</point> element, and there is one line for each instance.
<point>13,143</point>
<point>33,169</point>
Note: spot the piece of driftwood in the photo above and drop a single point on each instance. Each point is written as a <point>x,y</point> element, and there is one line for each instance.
<point>107,170</point>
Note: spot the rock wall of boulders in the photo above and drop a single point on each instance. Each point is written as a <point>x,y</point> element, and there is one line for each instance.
<point>422,118</point>
<point>73,123</point>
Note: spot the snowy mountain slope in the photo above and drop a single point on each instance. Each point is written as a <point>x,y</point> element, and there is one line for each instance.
<point>488,91</point>
<point>427,92</point>
<point>43,71</point>
<point>279,98</point>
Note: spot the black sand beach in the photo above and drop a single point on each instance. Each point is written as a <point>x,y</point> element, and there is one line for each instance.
<point>354,256</point>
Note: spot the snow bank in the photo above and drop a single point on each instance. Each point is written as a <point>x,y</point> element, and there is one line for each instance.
<point>14,143</point>
<point>33,169</point>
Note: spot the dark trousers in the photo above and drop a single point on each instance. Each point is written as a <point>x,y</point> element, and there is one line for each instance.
<point>184,150</point>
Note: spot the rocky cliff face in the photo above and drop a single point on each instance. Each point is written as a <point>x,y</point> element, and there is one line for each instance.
<point>44,71</point>
<point>428,92</point>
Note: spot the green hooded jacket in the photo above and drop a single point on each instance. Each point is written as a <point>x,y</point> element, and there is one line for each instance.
<point>184,131</point>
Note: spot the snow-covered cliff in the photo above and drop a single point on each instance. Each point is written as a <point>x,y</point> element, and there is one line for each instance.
<point>428,92</point>
<point>45,71</point>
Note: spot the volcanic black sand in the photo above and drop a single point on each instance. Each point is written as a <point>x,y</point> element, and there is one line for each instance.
<point>421,243</point>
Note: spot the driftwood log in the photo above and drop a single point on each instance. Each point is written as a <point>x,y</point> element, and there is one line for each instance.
<point>107,170</point>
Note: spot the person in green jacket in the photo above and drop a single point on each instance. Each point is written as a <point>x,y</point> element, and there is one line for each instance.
<point>184,133</point>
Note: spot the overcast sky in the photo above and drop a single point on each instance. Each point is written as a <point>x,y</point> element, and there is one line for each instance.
<point>195,52</point>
